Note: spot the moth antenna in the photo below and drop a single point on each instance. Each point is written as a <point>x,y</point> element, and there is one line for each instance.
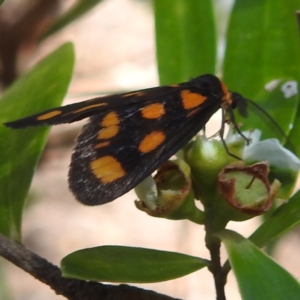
<point>288,142</point>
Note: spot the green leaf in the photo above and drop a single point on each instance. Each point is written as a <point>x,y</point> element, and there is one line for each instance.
<point>294,144</point>
<point>258,276</point>
<point>262,47</point>
<point>185,39</point>
<point>279,102</point>
<point>43,87</point>
<point>76,11</point>
<point>283,219</point>
<point>128,264</point>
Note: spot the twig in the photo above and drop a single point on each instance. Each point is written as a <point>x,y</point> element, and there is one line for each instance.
<point>213,244</point>
<point>72,289</point>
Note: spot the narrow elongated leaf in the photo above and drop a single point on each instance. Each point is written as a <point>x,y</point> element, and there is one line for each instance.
<point>284,218</point>
<point>185,39</point>
<point>128,264</point>
<point>258,276</point>
<point>76,11</point>
<point>262,49</point>
<point>43,87</point>
<point>294,134</point>
<point>279,99</point>
<point>262,55</point>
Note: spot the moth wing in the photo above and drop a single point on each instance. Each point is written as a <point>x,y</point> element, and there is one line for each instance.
<point>81,110</point>
<point>103,169</point>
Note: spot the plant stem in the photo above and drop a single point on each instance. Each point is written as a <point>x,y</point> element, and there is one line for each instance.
<point>72,289</point>
<point>213,244</point>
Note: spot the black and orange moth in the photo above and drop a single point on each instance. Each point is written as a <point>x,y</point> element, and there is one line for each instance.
<point>130,135</point>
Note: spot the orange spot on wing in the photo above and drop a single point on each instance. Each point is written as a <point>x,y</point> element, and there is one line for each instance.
<point>101,145</point>
<point>133,94</point>
<point>88,107</point>
<point>153,111</point>
<point>191,100</point>
<point>107,169</point>
<point>108,132</point>
<point>109,126</point>
<point>192,112</point>
<point>49,115</point>
<point>110,119</point>
<point>151,141</point>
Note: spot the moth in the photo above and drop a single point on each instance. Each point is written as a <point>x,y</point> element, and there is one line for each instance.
<point>130,135</point>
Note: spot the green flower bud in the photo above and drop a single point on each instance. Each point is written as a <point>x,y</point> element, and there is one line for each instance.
<point>169,194</point>
<point>284,165</point>
<point>247,189</point>
<point>206,159</point>
<point>225,194</point>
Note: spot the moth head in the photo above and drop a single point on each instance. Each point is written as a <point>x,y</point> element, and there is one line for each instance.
<point>240,103</point>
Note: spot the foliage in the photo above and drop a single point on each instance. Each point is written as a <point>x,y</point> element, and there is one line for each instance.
<point>261,62</point>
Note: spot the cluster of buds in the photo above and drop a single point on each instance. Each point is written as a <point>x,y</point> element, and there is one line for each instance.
<point>228,188</point>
